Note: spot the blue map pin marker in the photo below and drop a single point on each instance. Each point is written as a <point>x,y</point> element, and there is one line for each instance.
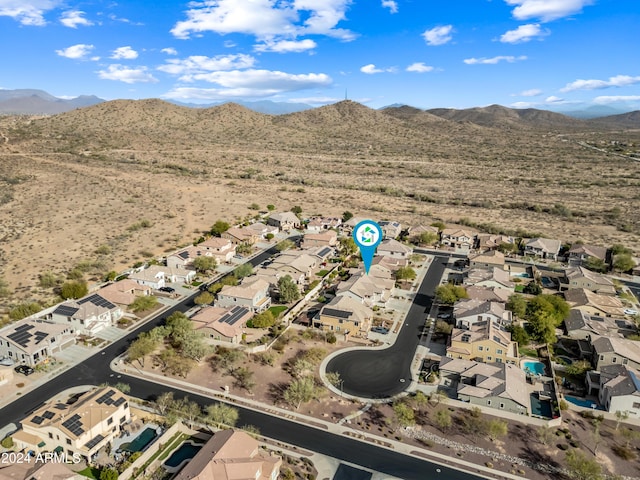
<point>367,236</point>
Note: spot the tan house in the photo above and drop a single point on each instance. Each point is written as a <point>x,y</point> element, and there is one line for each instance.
<point>83,427</point>
<point>318,224</point>
<point>239,236</point>
<point>483,342</point>
<point>219,248</point>
<point>468,312</point>
<point>394,249</point>
<point>285,221</point>
<point>615,351</point>
<point>124,292</point>
<point>326,238</point>
<point>252,294</point>
<point>391,263</point>
<point>295,263</point>
<point>458,238</point>
<point>157,276</point>
<point>487,260</point>
<point>38,470</point>
<point>262,230</point>
<point>487,241</point>
<point>543,247</point>
<point>390,229</point>
<point>492,294</point>
<point>415,233</point>
<point>594,303</point>
<point>345,315</point>
<point>367,289</point>
<point>231,455</point>
<point>226,324</point>
<point>580,325</point>
<point>579,254</point>
<point>30,342</point>
<point>494,277</point>
<point>88,315</point>
<point>580,277</point>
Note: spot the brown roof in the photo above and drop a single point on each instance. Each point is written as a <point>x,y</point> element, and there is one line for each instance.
<point>210,317</point>
<point>124,292</point>
<point>579,297</point>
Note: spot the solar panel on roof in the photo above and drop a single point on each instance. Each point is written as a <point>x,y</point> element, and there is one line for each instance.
<point>97,300</point>
<point>37,420</point>
<point>119,402</point>
<point>60,406</point>
<point>65,310</point>
<point>332,312</point>
<point>106,398</point>
<point>48,414</point>
<point>24,327</point>
<point>94,441</point>
<point>21,338</point>
<point>234,315</point>
<point>40,336</point>
<point>325,251</point>
<point>184,255</point>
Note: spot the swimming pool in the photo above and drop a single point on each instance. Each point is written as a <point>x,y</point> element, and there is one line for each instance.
<point>521,275</point>
<point>533,367</point>
<point>564,359</point>
<point>583,402</point>
<point>141,441</point>
<point>541,408</point>
<point>187,451</point>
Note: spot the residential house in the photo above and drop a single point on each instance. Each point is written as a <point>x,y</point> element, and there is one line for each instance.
<point>391,263</point>
<point>579,254</point>
<point>88,315</point>
<point>221,248</point>
<point>323,253</point>
<point>492,278</point>
<point>486,241</point>
<point>458,238</point>
<point>318,224</point>
<point>226,324</point>
<point>124,292</point>
<point>415,233</point>
<point>299,265</point>
<point>468,312</point>
<point>262,230</point>
<point>620,390</point>
<point>30,342</point>
<point>239,236</point>
<point>285,221</point>
<point>366,289</point>
<point>491,294</point>
<point>83,427</point>
<point>326,238</point>
<point>580,325</point>
<point>580,277</point>
<point>615,351</point>
<point>345,315</point>
<point>543,247</point>
<point>347,227</point>
<point>501,386</point>
<point>394,249</point>
<point>594,303</point>
<point>391,230</point>
<point>485,342</point>
<point>36,469</point>
<point>487,260</point>
<point>231,455</point>
<point>157,276</point>
<point>252,293</point>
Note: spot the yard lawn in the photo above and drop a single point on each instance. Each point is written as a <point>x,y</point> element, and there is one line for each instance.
<point>322,273</point>
<point>277,310</point>
<point>90,472</point>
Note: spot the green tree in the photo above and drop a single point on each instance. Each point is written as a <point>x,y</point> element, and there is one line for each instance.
<point>254,206</point>
<point>346,216</point>
<point>205,298</point>
<point>48,279</point>
<point>427,238</point>
<point>288,290</point>
<point>225,358</point>
<point>74,289</point>
<point>7,442</point>
<point>221,414</point>
<point>188,410</point>
<point>109,474</point>
<point>123,387</point>
<point>219,228</point>
<point>333,378</point>
<point>405,273</point>
<point>404,414</point>
<point>544,434</point>
<point>597,264</point>
<point>244,270</point>
<point>4,288</point>
<point>473,423</point>
<point>244,249</point>
<point>205,264</point>
<point>581,467</point>
<point>443,420</point>
<point>244,378</point>
<point>179,327</point>
<point>164,403</point>
<point>140,348</point>
<point>24,310</point>
<point>262,320</point>
<point>297,209</point>
<point>348,245</point>
<point>299,391</point>
<point>439,225</point>
<point>449,294</point>
<point>180,366</point>
<point>517,304</point>
<point>271,207</point>
<point>623,262</point>
<point>519,334</point>
<point>532,288</point>
<point>619,249</point>
<point>143,303</point>
<point>284,245</point>
<point>544,314</point>
<point>497,429</point>
<point>194,347</point>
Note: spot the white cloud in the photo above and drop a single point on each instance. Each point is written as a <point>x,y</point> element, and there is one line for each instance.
<point>546,10</point>
<point>76,52</point>
<point>126,74</point>
<point>554,99</point>
<point>169,51</point>
<point>606,99</point>
<point>392,5</point>
<point>493,60</point>
<point>617,81</point>
<point>126,53</point>
<point>229,43</point>
<point>73,18</point>
<point>371,69</point>
<point>285,46</point>
<point>438,35</point>
<point>250,83</point>
<point>419,67</point>
<point>197,64</point>
<point>533,92</point>
<point>524,33</point>
<point>265,18</point>
<point>27,12</point>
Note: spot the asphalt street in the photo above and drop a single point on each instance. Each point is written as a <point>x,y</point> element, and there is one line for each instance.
<point>384,373</point>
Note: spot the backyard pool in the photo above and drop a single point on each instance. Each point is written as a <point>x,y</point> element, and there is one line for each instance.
<point>541,408</point>
<point>186,451</point>
<point>521,275</point>
<point>583,402</point>
<point>533,367</point>
<point>565,359</point>
<point>141,441</point>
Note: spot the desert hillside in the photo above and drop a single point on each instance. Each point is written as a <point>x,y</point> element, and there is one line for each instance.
<point>120,181</point>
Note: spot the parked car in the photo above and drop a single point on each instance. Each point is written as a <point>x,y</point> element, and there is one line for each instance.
<point>630,311</point>
<point>6,361</point>
<point>167,289</point>
<point>381,330</point>
<point>444,316</point>
<point>24,369</point>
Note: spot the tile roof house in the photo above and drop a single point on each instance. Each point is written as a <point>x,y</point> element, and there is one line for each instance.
<point>487,260</point>
<point>543,248</point>
<point>390,229</point>
<point>124,292</point>
<point>368,290</point>
<point>38,470</point>
<point>318,224</point>
<point>389,262</point>
<point>157,276</point>
<point>492,277</point>
<point>594,303</point>
<point>620,390</point>
<point>580,325</point>
<point>501,386</point>
<point>238,236</point>
<point>252,293</point>
<point>416,232</point>
<point>579,254</point>
<point>87,315</point>
<point>458,238</point>
<point>262,230</point>
<point>231,455</point>
<point>29,341</point>
<point>83,427</point>
<point>487,241</point>
<point>484,342</point>
<point>219,248</point>
<point>580,277</point>
<point>285,221</point>
<point>226,324</point>
<point>468,312</point>
<point>296,262</point>
<point>492,294</point>
<point>612,351</point>
<point>345,315</point>
<point>326,238</point>
<point>393,248</point>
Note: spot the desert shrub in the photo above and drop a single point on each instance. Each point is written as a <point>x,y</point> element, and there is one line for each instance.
<point>624,452</point>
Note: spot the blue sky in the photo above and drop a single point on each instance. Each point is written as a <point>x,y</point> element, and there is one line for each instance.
<point>555,54</point>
